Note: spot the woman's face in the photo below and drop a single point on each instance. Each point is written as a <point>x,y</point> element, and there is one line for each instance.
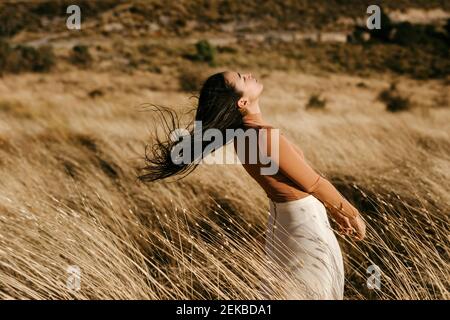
<point>245,83</point>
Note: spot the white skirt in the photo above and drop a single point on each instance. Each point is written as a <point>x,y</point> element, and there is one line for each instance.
<point>299,239</point>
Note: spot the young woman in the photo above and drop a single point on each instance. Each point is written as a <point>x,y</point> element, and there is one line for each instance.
<point>299,237</point>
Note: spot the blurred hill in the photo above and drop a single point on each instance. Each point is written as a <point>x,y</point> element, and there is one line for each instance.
<point>308,36</point>
<point>184,17</point>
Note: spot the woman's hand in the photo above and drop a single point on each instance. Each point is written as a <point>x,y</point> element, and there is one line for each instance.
<point>358,230</point>
<point>353,226</point>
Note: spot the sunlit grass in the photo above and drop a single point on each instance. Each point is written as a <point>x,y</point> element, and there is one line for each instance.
<point>69,194</point>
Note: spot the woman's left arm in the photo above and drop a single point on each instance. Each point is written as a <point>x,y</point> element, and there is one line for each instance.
<point>293,165</point>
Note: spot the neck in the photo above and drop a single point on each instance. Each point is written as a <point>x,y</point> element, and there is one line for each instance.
<point>253,108</point>
<point>253,118</point>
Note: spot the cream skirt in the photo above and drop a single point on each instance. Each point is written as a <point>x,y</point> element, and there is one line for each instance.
<point>299,240</point>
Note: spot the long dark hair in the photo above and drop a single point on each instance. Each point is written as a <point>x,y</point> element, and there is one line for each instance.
<point>217,108</point>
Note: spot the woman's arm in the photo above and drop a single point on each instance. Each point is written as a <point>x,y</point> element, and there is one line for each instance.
<point>293,165</point>
<point>297,149</point>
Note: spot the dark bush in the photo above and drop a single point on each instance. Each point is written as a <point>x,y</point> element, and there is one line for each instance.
<point>205,52</point>
<point>96,93</point>
<point>147,49</point>
<point>89,8</point>
<point>50,8</point>
<point>316,102</point>
<point>81,56</point>
<point>384,32</point>
<point>25,58</point>
<point>416,61</point>
<point>38,60</point>
<point>14,18</point>
<point>447,29</point>
<point>19,15</point>
<point>422,36</point>
<point>5,51</point>
<point>394,100</point>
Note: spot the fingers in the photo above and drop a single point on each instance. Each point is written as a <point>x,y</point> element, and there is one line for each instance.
<point>358,236</point>
<point>360,227</point>
<point>351,227</point>
<point>354,227</point>
<point>346,228</point>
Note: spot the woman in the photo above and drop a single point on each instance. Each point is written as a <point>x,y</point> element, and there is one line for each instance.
<point>299,237</point>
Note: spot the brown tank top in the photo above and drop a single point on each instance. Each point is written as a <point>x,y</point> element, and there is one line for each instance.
<point>295,178</point>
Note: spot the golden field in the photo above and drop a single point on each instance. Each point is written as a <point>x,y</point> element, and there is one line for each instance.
<point>69,194</point>
<point>75,122</point>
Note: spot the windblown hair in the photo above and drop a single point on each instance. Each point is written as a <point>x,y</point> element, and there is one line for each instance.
<point>217,108</point>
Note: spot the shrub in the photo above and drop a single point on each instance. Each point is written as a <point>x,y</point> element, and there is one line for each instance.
<point>51,8</point>
<point>421,36</point>
<point>146,49</point>
<point>96,93</point>
<point>362,84</point>
<point>5,51</point>
<point>25,58</point>
<point>384,33</point>
<point>447,29</point>
<point>80,56</point>
<point>205,52</point>
<point>38,60</point>
<point>394,100</point>
<point>14,18</point>
<point>316,102</point>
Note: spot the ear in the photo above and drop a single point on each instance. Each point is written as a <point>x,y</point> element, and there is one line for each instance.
<point>242,103</point>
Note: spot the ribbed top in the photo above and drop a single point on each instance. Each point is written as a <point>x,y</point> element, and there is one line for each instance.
<point>278,187</point>
<point>295,178</point>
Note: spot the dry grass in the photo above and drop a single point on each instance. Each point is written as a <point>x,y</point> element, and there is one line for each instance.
<point>68,193</point>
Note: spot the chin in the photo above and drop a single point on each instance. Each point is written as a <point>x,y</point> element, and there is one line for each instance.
<point>262,88</point>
